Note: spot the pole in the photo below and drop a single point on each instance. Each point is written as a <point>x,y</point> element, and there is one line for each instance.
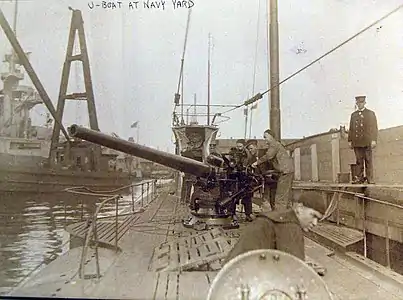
<point>13,53</point>
<point>275,119</point>
<point>182,120</point>
<point>208,82</point>
<point>253,106</point>
<point>246,121</point>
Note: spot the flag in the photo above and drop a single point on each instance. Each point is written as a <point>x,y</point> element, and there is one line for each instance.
<point>134,125</point>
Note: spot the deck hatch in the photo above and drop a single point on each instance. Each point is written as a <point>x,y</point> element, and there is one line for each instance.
<point>194,251</point>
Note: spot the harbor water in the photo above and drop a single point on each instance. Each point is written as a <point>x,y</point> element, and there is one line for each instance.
<point>32,229</point>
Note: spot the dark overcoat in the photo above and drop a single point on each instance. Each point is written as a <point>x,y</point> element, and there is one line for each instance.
<point>363,128</point>
<point>279,230</point>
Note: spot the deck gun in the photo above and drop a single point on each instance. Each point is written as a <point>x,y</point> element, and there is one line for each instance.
<point>219,183</point>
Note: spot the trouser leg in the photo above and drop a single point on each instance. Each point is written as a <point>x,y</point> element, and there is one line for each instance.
<point>284,189</point>
<point>359,157</point>
<point>270,195</point>
<point>368,164</point>
<point>247,203</point>
<point>232,208</point>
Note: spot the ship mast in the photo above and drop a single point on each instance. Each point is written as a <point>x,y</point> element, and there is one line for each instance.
<point>11,79</point>
<point>208,80</point>
<point>274,104</point>
<point>13,54</point>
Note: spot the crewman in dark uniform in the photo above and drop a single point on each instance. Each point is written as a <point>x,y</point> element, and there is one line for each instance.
<point>281,229</point>
<point>282,163</point>
<point>242,158</point>
<point>245,159</point>
<point>270,178</point>
<point>242,154</point>
<point>362,137</point>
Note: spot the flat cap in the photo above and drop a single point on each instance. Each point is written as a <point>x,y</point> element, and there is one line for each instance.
<point>240,141</point>
<point>269,131</point>
<point>251,142</point>
<point>360,98</point>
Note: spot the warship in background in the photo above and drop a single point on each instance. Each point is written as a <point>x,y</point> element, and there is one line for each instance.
<point>34,158</point>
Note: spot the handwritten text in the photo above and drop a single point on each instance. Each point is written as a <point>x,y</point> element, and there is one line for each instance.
<point>144,4</point>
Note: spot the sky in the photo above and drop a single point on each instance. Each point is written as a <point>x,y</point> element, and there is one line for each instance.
<point>135,57</point>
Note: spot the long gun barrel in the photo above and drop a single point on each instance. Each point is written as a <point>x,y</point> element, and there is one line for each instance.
<point>176,162</point>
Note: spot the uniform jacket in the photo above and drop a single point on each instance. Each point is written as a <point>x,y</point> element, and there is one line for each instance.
<point>243,157</point>
<point>278,155</point>
<point>279,230</point>
<point>250,159</point>
<point>363,128</point>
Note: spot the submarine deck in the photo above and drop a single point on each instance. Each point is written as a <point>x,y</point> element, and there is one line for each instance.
<point>128,274</point>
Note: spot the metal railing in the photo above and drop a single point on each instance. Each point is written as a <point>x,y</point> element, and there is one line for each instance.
<point>91,236</point>
<point>361,202</point>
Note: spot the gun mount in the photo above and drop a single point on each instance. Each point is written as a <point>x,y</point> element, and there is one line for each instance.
<point>218,185</point>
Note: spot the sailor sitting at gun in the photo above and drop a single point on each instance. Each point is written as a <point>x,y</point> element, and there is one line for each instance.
<point>281,229</point>
<point>269,174</point>
<point>283,164</point>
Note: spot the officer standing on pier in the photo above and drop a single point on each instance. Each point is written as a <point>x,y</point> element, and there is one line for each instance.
<point>282,163</point>
<point>362,137</point>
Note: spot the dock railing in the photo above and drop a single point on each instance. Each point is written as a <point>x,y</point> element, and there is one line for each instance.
<point>361,204</point>
<point>148,188</point>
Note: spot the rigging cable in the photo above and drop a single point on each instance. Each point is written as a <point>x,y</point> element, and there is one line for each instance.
<point>177,95</point>
<point>254,68</point>
<point>259,96</point>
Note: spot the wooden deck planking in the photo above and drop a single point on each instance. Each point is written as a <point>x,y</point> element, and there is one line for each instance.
<point>193,285</point>
<point>130,276</point>
<point>338,234</point>
<point>167,288</point>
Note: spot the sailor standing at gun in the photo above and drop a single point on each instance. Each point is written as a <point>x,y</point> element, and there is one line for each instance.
<point>269,174</point>
<point>283,163</point>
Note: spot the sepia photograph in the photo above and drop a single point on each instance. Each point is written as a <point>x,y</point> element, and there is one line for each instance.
<point>201,149</point>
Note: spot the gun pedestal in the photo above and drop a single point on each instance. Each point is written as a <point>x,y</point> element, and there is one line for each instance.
<point>206,212</point>
<point>194,142</point>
